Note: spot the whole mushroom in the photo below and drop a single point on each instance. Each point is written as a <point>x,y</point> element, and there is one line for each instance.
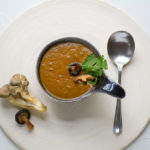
<point>22,117</point>
<point>17,93</point>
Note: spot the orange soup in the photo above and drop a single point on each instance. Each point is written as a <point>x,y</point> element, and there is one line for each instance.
<point>54,73</point>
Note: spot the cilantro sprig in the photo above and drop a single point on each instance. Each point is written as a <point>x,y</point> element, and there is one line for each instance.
<point>94,66</point>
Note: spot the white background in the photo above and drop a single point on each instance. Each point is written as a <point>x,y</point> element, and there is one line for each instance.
<point>139,10</point>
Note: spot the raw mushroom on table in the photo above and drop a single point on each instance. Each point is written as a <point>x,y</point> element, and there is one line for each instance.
<point>17,93</point>
<point>22,117</point>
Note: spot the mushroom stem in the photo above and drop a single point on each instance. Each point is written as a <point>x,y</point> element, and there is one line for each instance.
<point>28,123</point>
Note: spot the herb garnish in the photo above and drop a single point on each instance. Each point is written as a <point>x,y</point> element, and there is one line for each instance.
<point>94,66</point>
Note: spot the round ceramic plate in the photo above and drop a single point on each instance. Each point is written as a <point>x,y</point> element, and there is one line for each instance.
<point>86,124</point>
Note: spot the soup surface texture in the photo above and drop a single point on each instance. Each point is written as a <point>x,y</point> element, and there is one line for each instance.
<point>54,73</point>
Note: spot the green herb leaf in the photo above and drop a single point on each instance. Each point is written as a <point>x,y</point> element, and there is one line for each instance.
<point>88,63</point>
<point>94,66</point>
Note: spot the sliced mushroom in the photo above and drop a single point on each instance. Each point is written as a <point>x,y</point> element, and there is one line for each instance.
<point>84,78</point>
<point>18,94</point>
<point>22,117</point>
<point>75,69</point>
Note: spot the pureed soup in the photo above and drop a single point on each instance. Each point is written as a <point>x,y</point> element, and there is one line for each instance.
<point>54,73</point>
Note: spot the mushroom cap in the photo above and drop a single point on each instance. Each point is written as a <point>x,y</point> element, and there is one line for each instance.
<point>19,80</point>
<point>19,114</point>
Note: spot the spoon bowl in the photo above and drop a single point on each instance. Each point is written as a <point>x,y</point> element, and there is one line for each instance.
<point>121,47</point>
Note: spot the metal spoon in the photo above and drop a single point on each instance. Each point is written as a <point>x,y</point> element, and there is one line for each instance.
<point>120,50</point>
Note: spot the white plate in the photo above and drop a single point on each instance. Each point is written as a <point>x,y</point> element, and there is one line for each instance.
<point>87,124</point>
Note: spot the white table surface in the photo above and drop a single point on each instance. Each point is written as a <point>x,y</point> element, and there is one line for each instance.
<point>139,10</point>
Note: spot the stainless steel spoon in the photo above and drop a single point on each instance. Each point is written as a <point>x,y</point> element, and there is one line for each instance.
<point>120,50</point>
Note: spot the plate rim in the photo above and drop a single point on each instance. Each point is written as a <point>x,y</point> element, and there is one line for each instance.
<point>110,5</point>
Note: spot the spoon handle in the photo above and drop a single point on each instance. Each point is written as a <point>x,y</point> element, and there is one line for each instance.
<point>118,115</point>
<point>118,118</point>
<point>119,74</point>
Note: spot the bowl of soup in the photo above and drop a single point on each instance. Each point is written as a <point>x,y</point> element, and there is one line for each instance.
<point>55,79</point>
